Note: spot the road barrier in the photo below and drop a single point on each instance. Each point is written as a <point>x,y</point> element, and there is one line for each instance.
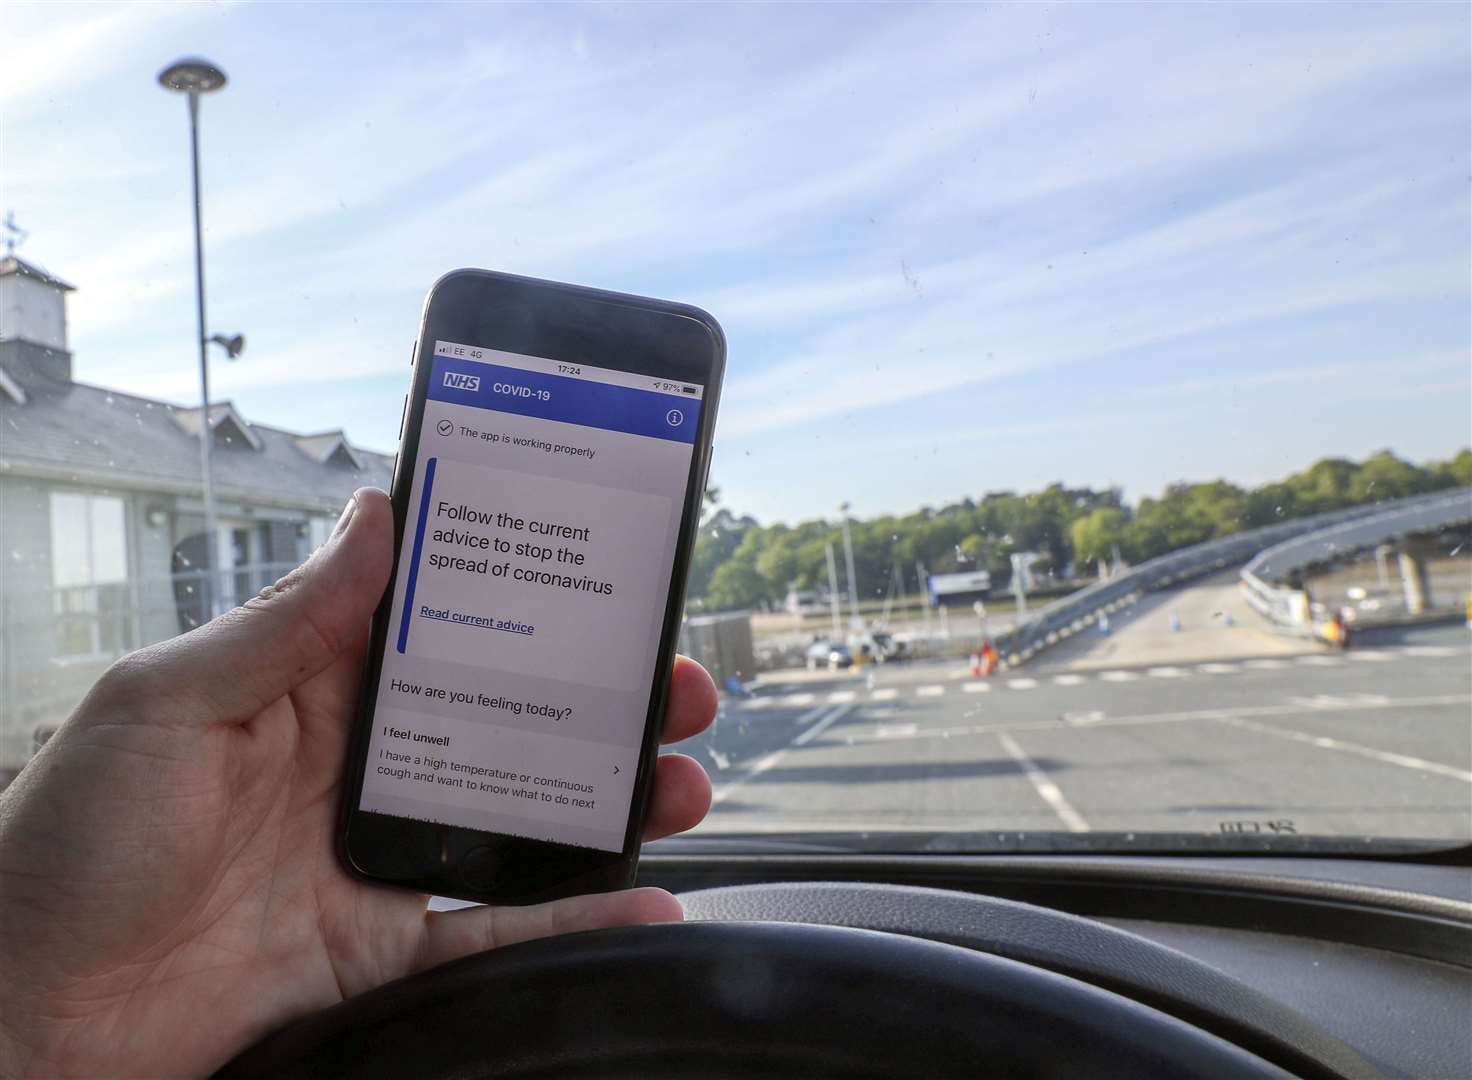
<point>1074,613</point>
<point>1266,579</point>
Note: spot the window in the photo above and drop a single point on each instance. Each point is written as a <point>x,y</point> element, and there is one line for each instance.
<point>89,574</point>
<point>318,530</point>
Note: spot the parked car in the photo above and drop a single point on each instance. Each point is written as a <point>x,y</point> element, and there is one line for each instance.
<point>878,646</point>
<point>831,653</point>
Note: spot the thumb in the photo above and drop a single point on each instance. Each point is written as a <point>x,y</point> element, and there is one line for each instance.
<point>234,666</point>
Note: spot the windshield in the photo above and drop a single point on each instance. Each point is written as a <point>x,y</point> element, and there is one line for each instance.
<point>1092,469</point>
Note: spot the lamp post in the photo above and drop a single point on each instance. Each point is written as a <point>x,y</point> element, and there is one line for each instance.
<point>193,77</point>
<point>848,562</point>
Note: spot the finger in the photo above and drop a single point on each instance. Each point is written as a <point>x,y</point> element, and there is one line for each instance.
<point>692,701</point>
<point>237,664</point>
<point>449,935</point>
<point>681,796</point>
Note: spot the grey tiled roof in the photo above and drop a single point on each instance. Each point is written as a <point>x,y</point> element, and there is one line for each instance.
<point>91,434</point>
<point>14,264</point>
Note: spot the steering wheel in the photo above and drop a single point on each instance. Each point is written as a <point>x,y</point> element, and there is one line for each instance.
<point>1012,991</point>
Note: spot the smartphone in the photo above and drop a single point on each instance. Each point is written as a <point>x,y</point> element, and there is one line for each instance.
<point>552,462</point>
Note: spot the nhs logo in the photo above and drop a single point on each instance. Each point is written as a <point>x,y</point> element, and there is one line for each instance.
<point>457,381</point>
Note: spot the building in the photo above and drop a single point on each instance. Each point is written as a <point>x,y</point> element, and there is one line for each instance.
<point>102,546</point>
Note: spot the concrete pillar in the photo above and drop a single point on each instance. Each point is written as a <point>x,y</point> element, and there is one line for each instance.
<point>1382,557</point>
<point>1413,579</point>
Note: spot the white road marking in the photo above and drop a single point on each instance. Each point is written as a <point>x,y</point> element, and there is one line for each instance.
<point>1266,665</point>
<point>1046,789</point>
<point>721,794</point>
<point>1218,669</point>
<point>841,697</point>
<point>799,700</point>
<point>1429,650</point>
<point>1082,719</point>
<point>1314,660</point>
<point>976,688</point>
<point>1323,742</point>
<point>1068,680</point>
<point>895,731</point>
<point>1119,676</point>
<point>1339,701</point>
<point>821,726</point>
<point>1165,673</point>
<point>1022,684</point>
<point>1371,656</point>
<point>933,690</point>
<point>758,703</point>
<point>959,673</point>
<point>811,715</point>
<point>1369,701</point>
<point>886,693</point>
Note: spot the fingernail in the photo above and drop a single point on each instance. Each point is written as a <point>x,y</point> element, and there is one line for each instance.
<point>347,516</point>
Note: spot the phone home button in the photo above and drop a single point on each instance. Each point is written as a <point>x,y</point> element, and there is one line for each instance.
<point>480,867</point>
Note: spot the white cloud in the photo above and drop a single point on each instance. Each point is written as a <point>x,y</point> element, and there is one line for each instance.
<point>882,204</point>
<point>54,48</point>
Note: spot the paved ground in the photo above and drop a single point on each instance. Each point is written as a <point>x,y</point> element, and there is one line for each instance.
<point>1215,623</point>
<point>1377,741</point>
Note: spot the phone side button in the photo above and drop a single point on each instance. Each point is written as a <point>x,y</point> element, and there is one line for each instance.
<point>480,867</point>
<point>403,412</point>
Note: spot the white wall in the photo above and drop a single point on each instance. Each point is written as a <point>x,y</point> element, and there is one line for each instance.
<point>32,311</point>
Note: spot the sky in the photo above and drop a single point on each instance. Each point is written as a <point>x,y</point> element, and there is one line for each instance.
<point>955,248</point>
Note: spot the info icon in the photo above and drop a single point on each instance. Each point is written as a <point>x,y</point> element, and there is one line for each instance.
<point>674,418</point>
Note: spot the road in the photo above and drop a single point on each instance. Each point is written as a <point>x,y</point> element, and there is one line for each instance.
<point>1373,742</point>
<point>1212,622</point>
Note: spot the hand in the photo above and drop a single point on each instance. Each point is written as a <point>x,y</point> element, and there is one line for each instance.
<point>168,887</point>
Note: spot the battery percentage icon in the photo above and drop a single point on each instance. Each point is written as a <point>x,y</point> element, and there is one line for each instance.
<point>689,389</point>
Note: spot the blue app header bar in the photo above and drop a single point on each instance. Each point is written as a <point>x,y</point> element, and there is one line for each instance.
<point>570,401</point>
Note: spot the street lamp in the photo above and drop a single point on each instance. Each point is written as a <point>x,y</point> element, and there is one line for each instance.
<point>848,560</point>
<point>193,77</point>
<point>233,345</point>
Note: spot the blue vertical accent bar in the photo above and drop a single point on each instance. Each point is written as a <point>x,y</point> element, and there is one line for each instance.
<point>414,559</point>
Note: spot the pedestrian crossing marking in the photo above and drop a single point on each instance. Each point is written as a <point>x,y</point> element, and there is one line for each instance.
<point>972,685</point>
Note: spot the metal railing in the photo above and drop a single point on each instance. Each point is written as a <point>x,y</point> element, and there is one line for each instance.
<point>1264,577</point>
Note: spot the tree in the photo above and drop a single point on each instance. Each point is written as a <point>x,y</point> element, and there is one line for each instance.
<point>739,563</point>
<point>1096,536</point>
<point>1385,476</point>
<point>1323,486</point>
<point>719,536</point>
<point>1455,473</point>
<point>735,584</point>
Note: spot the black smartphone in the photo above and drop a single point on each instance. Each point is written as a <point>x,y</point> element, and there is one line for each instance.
<point>552,463</point>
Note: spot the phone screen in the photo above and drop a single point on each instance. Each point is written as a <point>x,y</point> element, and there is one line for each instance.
<point>544,514</point>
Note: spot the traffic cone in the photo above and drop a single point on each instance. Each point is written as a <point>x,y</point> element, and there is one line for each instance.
<point>976,665</point>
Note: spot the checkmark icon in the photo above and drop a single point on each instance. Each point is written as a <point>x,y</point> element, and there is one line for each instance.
<point>445,427</point>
